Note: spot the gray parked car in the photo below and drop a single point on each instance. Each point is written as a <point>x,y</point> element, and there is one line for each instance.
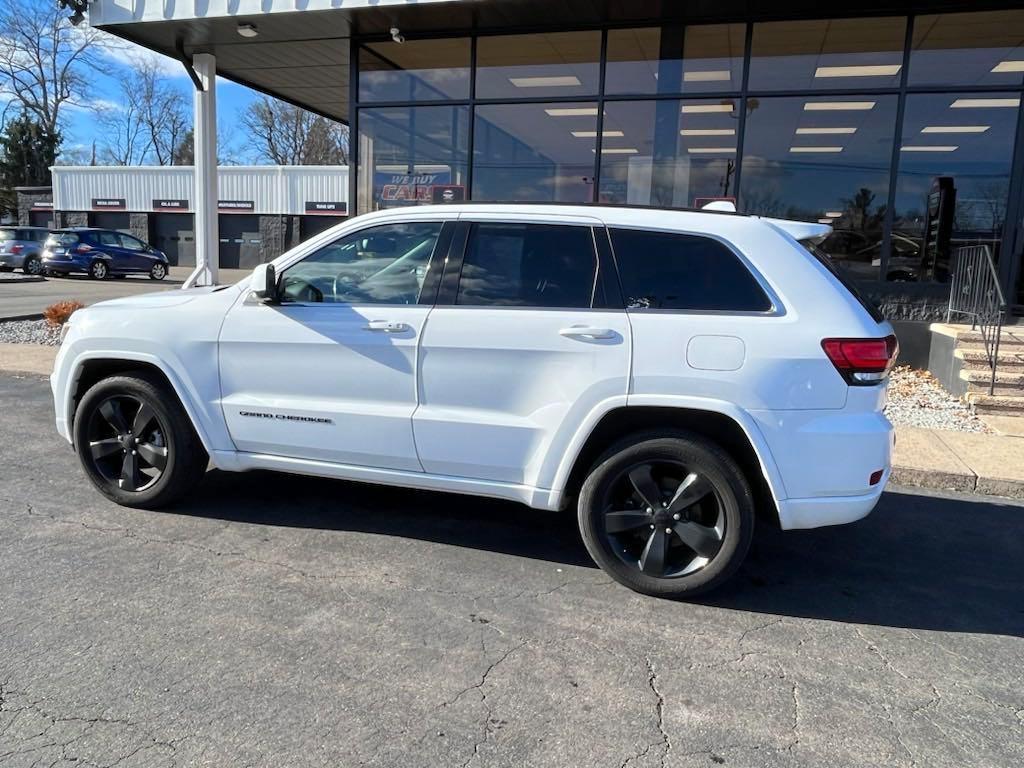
<point>22,248</point>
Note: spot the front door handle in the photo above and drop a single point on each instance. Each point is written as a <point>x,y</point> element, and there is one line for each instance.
<point>385,326</point>
<point>587,332</point>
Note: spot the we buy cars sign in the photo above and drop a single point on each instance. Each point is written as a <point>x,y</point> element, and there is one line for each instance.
<point>407,187</point>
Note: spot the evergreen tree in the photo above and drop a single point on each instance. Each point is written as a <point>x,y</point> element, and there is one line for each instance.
<point>26,153</point>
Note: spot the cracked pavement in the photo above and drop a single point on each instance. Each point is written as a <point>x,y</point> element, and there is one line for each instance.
<point>285,621</point>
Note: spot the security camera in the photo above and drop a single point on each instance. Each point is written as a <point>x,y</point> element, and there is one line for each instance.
<point>78,8</point>
<point>396,35</point>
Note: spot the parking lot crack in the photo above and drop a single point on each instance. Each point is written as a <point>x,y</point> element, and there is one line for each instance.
<point>652,683</point>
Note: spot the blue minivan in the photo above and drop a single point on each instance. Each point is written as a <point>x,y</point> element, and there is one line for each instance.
<point>101,253</point>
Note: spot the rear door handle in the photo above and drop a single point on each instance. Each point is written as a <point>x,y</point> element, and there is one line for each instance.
<point>385,326</point>
<point>587,332</point>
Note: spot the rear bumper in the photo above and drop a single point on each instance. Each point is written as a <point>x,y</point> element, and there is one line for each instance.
<point>12,260</point>
<point>64,265</point>
<point>828,510</point>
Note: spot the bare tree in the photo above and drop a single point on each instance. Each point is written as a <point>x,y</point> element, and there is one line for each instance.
<point>159,107</point>
<point>125,131</point>
<point>287,135</point>
<point>44,59</point>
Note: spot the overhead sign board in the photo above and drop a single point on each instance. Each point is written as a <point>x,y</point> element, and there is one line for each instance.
<point>236,205</point>
<point>170,204</point>
<point>326,207</point>
<point>109,203</point>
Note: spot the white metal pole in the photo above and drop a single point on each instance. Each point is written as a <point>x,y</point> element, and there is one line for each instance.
<point>204,134</point>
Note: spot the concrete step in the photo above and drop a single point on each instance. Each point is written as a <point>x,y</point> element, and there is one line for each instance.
<point>1007,359</point>
<point>1007,383</point>
<point>996,405</point>
<point>974,340</point>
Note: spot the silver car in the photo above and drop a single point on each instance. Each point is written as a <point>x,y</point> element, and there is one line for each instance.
<point>22,248</point>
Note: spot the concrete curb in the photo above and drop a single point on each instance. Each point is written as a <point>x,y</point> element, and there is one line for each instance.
<point>15,318</point>
<point>20,279</point>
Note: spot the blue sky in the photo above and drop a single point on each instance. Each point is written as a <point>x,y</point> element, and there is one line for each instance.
<point>80,123</point>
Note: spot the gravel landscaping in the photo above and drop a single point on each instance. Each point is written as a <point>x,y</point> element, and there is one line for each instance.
<point>916,399</point>
<point>29,332</point>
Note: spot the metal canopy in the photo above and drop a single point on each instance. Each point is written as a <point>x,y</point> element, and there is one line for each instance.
<point>302,56</point>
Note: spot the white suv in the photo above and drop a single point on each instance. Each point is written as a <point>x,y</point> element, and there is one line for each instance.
<point>670,373</point>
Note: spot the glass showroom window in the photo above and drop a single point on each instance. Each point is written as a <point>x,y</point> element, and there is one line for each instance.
<point>669,153</point>
<point>553,65</point>
<point>411,155</point>
<point>535,152</point>
<point>827,54</point>
<point>416,70</point>
<point>968,139</point>
<point>823,159</point>
<point>967,49</point>
<point>700,59</point>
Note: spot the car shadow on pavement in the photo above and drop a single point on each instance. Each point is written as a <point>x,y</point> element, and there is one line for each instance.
<point>943,563</point>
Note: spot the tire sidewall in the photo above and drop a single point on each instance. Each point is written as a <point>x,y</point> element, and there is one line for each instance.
<point>175,438</point>
<point>696,453</point>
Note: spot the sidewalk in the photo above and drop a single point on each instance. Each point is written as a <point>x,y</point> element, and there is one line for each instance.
<point>925,458</point>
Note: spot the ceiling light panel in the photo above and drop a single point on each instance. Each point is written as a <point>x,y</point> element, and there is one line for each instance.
<point>567,81</point>
<point>1008,66</point>
<point>871,70</point>
<point>712,150</point>
<point>708,132</point>
<point>825,131</point>
<point>838,106</point>
<point>593,134</point>
<point>816,150</point>
<point>699,109</point>
<point>572,111</point>
<point>955,128</point>
<point>931,148</point>
<point>707,76</point>
<point>982,103</point>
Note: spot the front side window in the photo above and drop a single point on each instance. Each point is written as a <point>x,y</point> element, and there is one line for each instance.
<point>528,265</point>
<point>109,238</point>
<point>663,270</point>
<point>129,243</point>
<point>379,265</point>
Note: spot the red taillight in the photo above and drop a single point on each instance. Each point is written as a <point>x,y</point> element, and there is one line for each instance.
<point>16,249</point>
<point>876,477</point>
<point>83,248</point>
<point>862,361</point>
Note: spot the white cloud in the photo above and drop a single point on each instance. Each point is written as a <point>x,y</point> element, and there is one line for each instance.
<point>129,55</point>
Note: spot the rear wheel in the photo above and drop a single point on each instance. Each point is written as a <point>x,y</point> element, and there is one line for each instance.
<point>33,265</point>
<point>158,272</point>
<point>669,515</point>
<point>136,443</point>
<point>98,270</point>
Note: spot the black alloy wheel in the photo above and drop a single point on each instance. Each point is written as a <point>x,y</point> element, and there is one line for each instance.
<point>127,443</point>
<point>663,518</point>
<point>136,442</point>
<point>667,513</point>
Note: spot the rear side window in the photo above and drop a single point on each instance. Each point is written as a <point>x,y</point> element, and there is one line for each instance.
<point>528,265</point>
<point>6,234</point>
<point>662,270</point>
<point>64,239</point>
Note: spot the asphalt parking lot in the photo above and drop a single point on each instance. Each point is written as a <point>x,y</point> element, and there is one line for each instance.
<point>284,621</point>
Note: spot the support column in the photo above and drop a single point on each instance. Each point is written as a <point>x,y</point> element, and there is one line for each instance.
<point>204,134</point>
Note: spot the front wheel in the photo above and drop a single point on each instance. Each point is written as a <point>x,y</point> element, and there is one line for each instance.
<point>98,270</point>
<point>136,443</point>
<point>669,515</point>
<point>158,272</point>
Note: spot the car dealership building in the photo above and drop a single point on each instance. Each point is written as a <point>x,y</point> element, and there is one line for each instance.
<point>889,119</point>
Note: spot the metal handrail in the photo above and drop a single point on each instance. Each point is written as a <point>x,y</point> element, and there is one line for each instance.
<point>976,293</point>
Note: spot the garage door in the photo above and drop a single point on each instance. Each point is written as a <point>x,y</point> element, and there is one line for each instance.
<point>239,241</point>
<point>41,219</point>
<point>174,234</point>
<point>310,226</point>
<point>110,220</point>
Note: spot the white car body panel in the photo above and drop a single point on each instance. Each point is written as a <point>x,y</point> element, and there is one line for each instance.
<point>498,401</point>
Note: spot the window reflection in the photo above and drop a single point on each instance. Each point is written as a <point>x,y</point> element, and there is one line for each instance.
<point>669,153</point>
<point>827,160</point>
<point>827,54</point>
<point>554,65</point>
<point>416,70</point>
<point>411,155</point>
<point>535,152</point>
<point>670,60</point>
<point>968,139</point>
<point>968,49</point>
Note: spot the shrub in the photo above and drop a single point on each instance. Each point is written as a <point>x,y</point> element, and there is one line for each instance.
<point>58,314</point>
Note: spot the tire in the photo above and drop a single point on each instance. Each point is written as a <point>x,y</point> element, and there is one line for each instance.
<point>720,521</point>
<point>158,272</point>
<point>32,265</point>
<point>99,270</point>
<point>102,446</point>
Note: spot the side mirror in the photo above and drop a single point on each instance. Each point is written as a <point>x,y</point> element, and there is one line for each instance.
<point>264,282</point>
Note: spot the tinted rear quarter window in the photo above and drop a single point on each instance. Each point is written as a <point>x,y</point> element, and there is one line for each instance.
<point>664,270</point>
<point>824,259</point>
